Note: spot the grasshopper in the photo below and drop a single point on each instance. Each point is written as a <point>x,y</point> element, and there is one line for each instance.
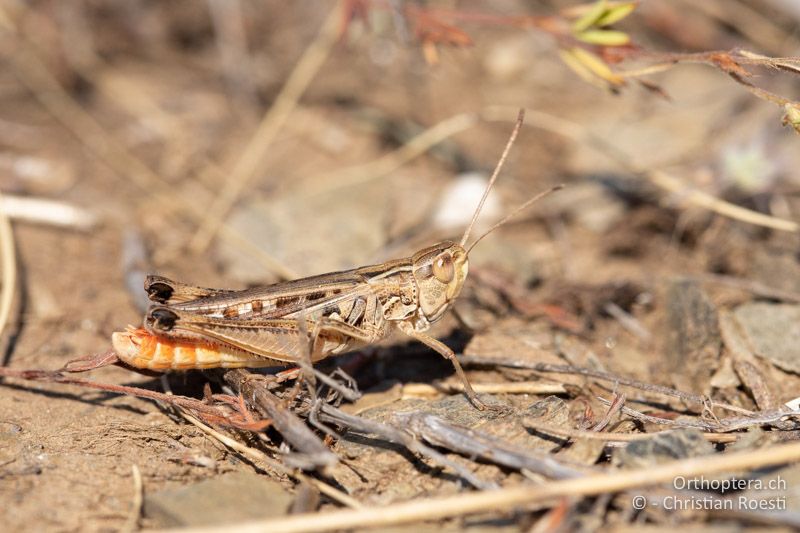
<point>188,327</point>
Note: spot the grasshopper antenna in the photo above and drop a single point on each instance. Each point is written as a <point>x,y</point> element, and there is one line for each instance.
<point>517,127</point>
<point>514,213</point>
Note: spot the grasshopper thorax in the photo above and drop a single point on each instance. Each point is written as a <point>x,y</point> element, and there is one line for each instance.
<point>439,271</point>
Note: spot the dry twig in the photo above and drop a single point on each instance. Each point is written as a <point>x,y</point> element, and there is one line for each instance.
<point>597,374</point>
<point>726,209</point>
<point>190,409</point>
<point>132,522</point>
<point>722,438</point>
<point>745,364</point>
<point>774,417</point>
<point>475,444</point>
<point>314,455</point>
<point>411,390</point>
<point>508,498</point>
<point>49,212</point>
<point>332,415</point>
<point>9,265</point>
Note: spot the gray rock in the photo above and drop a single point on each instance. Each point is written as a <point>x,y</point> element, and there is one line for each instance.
<point>227,499</point>
<point>664,447</point>
<point>773,331</point>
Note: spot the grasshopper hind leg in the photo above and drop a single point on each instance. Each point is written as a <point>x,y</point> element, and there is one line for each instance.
<point>347,331</point>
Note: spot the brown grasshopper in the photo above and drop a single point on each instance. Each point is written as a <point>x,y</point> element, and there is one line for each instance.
<point>190,327</point>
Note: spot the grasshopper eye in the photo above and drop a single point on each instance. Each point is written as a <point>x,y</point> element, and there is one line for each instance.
<point>443,268</point>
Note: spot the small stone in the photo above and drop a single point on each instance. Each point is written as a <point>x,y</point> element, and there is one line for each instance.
<point>230,498</point>
<point>663,448</point>
<point>466,190</point>
<point>773,331</point>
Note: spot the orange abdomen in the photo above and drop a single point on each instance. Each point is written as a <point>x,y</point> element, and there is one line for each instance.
<point>139,348</point>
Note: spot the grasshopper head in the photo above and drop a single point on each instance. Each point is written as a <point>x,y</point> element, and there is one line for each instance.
<point>439,271</point>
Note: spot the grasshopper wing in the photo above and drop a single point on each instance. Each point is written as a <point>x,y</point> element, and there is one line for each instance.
<point>277,339</point>
<point>166,291</point>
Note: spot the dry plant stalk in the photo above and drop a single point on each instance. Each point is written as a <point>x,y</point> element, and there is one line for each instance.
<point>360,174</point>
<point>587,44</point>
<point>8,264</point>
<point>511,497</point>
<point>309,319</point>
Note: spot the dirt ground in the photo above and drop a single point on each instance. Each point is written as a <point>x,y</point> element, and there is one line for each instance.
<point>139,113</point>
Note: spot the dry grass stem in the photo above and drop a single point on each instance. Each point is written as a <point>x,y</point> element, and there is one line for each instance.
<point>546,121</point>
<point>412,390</point>
<point>390,162</point>
<point>663,180</point>
<point>48,212</point>
<point>722,438</point>
<point>313,454</point>
<point>9,265</point>
<point>508,498</point>
<point>132,522</point>
<point>597,374</point>
<point>248,164</point>
<point>721,207</point>
<point>358,424</point>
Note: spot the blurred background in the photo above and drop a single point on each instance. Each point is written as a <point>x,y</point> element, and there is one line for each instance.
<point>230,143</point>
<point>242,142</point>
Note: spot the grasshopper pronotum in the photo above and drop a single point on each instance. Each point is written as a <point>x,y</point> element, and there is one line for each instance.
<point>190,327</point>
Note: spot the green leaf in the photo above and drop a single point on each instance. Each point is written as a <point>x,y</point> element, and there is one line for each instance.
<point>577,66</point>
<point>590,67</point>
<point>591,17</point>
<point>615,13</point>
<point>604,37</point>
